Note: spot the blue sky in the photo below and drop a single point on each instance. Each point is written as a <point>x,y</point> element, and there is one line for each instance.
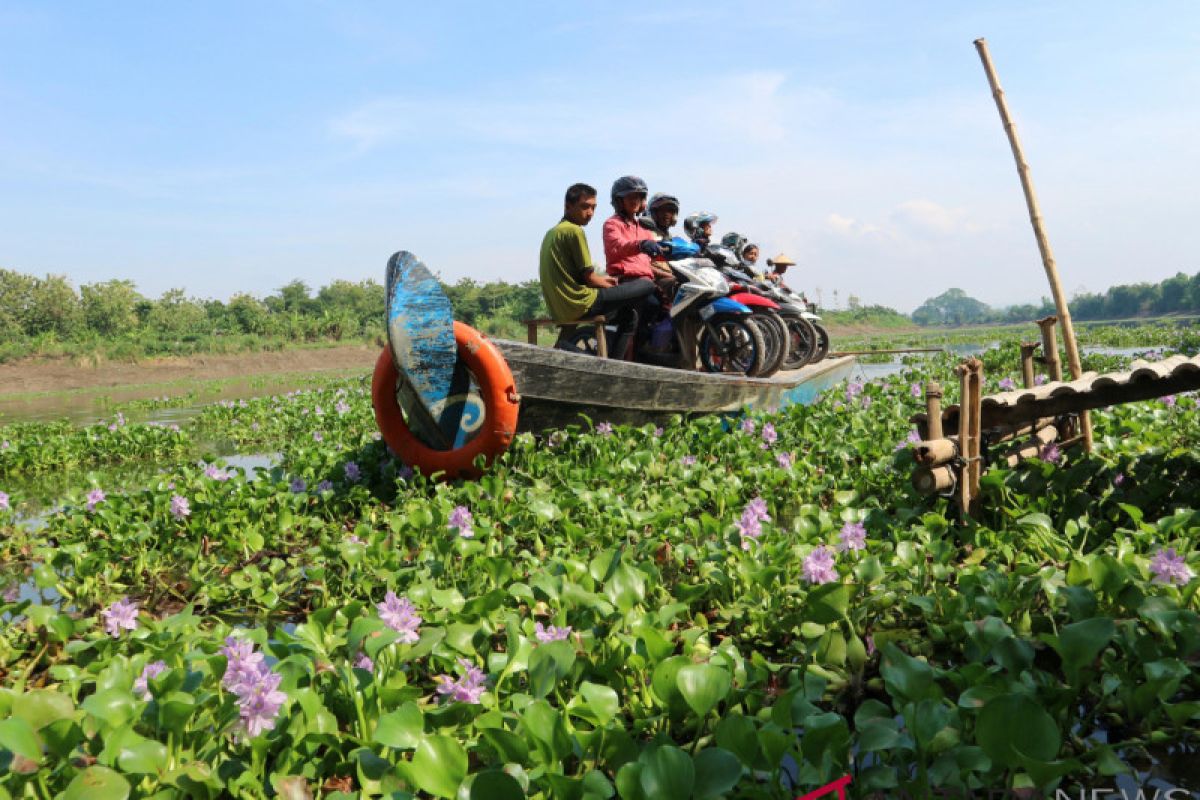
<point>232,147</point>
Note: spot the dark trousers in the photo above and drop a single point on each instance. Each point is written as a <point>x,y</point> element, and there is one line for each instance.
<point>621,305</point>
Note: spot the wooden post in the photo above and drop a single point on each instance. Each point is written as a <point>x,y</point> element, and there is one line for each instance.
<point>1035,216</point>
<point>1050,348</point>
<point>933,410</point>
<point>1027,349</point>
<point>970,434</point>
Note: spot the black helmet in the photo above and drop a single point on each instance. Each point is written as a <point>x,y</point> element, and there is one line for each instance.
<point>661,200</point>
<point>629,184</point>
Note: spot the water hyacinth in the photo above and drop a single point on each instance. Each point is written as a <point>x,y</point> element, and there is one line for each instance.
<point>1119,479</point>
<point>318,436</point>
<point>853,390</point>
<point>1051,453</point>
<point>915,390</point>
<point>1169,567</point>
<point>400,615</point>
<point>750,525</point>
<point>353,473</point>
<point>1040,379</point>
<point>908,441</point>
<point>325,486</point>
<point>551,633</point>
<point>688,461</point>
<point>363,661</point>
<point>260,702</point>
<point>467,689</point>
<point>341,407</point>
<point>215,473</point>
<point>658,431</point>
<point>94,498</point>
<point>1007,384</point>
<point>460,519</point>
<point>1169,400</point>
<point>121,615</point>
<point>141,686</point>
<point>4,506</point>
<point>819,566</point>
<point>604,429</point>
<point>784,460</point>
<point>180,508</point>
<point>298,485</point>
<point>749,426</point>
<point>769,436</point>
<point>852,537</point>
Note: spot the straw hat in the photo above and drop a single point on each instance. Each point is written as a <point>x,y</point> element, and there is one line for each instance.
<point>781,261</point>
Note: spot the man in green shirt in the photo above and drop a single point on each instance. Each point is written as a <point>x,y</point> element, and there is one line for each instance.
<point>572,287</point>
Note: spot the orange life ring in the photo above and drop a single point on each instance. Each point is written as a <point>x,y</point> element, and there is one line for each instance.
<point>496,389</point>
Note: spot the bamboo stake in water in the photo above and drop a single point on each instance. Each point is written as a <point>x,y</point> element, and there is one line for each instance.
<point>1035,216</point>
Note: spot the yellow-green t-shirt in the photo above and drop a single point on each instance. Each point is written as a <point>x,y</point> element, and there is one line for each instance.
<point>565,257</point>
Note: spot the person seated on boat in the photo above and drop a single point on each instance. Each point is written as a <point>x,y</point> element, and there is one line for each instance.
<point>778,265</point>
<point>628,247</point>
<point>663,213</point>
<point>699,227</point>
<point>570,284</point>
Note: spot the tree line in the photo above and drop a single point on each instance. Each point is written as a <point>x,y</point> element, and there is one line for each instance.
<point>48,315</point>
<point>1179,294</point>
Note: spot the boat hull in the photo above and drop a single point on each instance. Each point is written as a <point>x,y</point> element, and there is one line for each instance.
<point>557,386</point>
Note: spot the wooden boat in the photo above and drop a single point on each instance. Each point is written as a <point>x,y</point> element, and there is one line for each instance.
<point>557,386</point>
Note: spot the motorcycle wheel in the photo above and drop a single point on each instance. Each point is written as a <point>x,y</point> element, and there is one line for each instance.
<point>822,342</point>
<point>775,337</point>
<point>731,345</point>
<point>802,341</point>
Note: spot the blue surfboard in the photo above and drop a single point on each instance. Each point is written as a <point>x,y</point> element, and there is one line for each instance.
<point>420,330</point>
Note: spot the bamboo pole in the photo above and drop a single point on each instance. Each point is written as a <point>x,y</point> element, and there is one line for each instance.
<point>1035,216</point>
<point>1027,349</point>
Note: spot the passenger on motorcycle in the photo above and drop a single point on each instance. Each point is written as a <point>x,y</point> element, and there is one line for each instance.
<point>699,227</point>
<point>628,247</point>
<point>663,214</point>
<point>778,265</point>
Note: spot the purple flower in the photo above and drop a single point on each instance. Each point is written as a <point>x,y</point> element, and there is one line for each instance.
<point>852,537</point>
<point>1169,567</point>
<point>818,566</point>
<point>749,425</point>
<point>298,485</point>
<point>785,460</point>
<point>853,390</point>
<point>353,539</point>
<point>4,506</point>
<point>325,486</point>
<point>11,594</point>
<point>259,704</point>
<point>94,498</point>
<point>120,615</point>
<point>342,407</point>
<point>1008,384</point>
<point>353,473</point>
<point>551,633</point>
<point>215,473</point>
<point>180,508</point>
<point>1051,454</point>
<point>912,438</point>
<point>405,472</point>
<point>1169,400</point>
<point>866,401</point>
<point>688,461</point>
<point>318,436</point>
<point>870,644</point>
<point>604,429</point>
<point>750,525</point>
<point>401,616</point>
<point>467,689</point>
<point>1119,479</point>
<point>254,426</point>
<point>460,518</point>
<point>769,436</point>
<point>658,431</point>
<point>1039,380</point>
<point>915,390</point>
<point>244,664</point>
<point>141,686</point>
<point>363,661</point>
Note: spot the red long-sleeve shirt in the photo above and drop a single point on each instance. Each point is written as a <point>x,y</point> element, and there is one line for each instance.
<point>622,240</point>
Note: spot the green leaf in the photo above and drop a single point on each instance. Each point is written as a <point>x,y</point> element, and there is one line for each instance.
<point>18,736</point>
<point>439,765</point>
<point>402,728</point>
<point>1081,642</point>
<point>40,707</point>
<point>510,747</point>
<point>112,707</point>
<point>601,700</point>
<point>703,686</point>
<point>1015,725</point>
<point>626,588</point>
<point>828,603</point>
<point>496,785</point>
<point>906,677</point>
<point>717,771</point>
<point>662,680</point>
<point>143,756</point>
<point>668,772</point>
<point>97,783</point>
<point>739,735</point>
<point>545,726</point>
<point>629,781</point>
<point>550,662</point>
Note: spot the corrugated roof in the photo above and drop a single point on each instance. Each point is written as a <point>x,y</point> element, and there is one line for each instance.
<point>1143,381</point>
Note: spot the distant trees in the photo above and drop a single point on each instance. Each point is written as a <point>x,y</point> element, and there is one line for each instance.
<point>1179,294</point>
<point>37,312</point>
